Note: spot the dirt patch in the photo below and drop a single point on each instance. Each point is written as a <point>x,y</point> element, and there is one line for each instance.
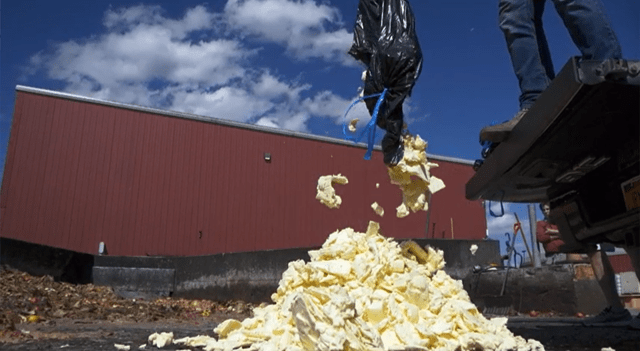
<point>39,300</point>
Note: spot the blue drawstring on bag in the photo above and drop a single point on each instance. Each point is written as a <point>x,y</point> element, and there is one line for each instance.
<point>370,128</point>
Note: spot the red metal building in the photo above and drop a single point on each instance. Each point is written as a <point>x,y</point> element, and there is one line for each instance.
<point>81,171</point>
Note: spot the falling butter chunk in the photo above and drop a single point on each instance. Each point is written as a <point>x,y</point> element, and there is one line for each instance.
<point>326,193</point>
<point>412,175</point>
<point>352,124</point>
<point>359,292</point>
<point>378,209</point>
<point>160,340</point>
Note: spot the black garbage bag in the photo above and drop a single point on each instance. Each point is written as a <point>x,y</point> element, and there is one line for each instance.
<point>385,40</point>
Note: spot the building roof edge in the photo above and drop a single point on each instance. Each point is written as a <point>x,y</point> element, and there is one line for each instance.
<point>219,121</point>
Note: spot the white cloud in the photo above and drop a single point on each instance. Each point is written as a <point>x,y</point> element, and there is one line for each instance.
<point>270,87</point>
<point>266,122</point>
<point>137,94</point>
<point>124,19</point>
<point>301,26</point>
<point>145,53</point>
<point>226,103</point>
<point>296,121</point>
<point>149,59</point>
<point>501,225</point>
<point>329,105</point>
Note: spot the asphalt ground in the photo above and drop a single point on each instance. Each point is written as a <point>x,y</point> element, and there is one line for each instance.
<point>556,334</point>
<point>559,334</point>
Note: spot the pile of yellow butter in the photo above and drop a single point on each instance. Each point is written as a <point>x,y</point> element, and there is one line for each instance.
<point>359,292</point>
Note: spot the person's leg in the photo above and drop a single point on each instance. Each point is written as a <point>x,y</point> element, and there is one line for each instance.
<point>634,254</point>
<point>606,277</point>
<point>541,38</point>
<point>590,28</point>
<point>521,24</point>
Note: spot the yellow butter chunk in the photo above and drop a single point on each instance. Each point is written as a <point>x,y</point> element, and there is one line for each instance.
<point>226,327</point>
<point>360,291</point>
<point>161,340</point>
<point>196,341</point>
<point>412,175</point>
<point>352,124</point>
<point>326,193</point>
<point>402,210</point>
<point>377,209</point>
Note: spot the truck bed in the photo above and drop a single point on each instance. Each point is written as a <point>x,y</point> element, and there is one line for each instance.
<point>577,147</point>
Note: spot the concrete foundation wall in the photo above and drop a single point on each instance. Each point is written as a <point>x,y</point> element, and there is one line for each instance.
<point>62,265</point>
<point>251,277</point>
<point>254,276</point>
<point>563,289</point>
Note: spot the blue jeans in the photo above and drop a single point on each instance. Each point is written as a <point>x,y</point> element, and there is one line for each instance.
<point>521,23</point>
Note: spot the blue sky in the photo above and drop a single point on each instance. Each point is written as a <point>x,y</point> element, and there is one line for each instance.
<point>279,63</point>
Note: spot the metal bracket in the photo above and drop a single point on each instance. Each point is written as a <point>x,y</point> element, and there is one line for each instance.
<point>581,169</point>
<point>612,70</point>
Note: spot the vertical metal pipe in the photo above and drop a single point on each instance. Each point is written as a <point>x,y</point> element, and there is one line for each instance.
<point>426,231</point>
<point>486,222</point>
<point>534,241</point>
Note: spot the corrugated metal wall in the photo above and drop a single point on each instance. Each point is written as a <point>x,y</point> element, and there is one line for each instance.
<point>79,173</point>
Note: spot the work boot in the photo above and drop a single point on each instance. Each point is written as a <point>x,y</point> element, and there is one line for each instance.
<point>609,316</point>
<point>500,132</point>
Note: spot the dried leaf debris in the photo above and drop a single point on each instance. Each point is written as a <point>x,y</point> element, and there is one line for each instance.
<point>25,298</point>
